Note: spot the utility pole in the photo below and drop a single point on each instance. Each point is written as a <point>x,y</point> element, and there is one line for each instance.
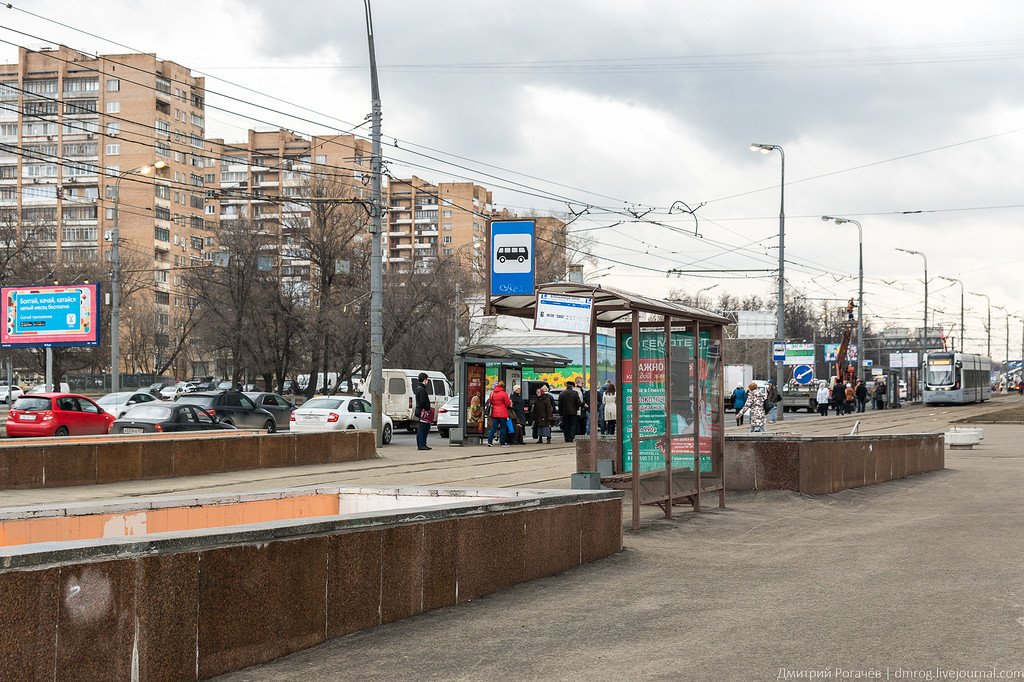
<point>376,256</point>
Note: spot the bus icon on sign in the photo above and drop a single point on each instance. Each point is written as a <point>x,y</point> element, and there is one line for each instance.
<point>517,253</point>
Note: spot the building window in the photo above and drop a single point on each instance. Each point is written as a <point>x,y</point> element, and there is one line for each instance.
<point>162,213</point>
<point>160,276</point>
<point>163,234</point>
<point>109,213</point>
<point>162,191</point>
<point>162,298</point>
<point>113,85</point>
<point>113,107</point>
<point>447,214</point>
<point>81,85</point>
<point>114,128</point>
<point>446,239</point>
<point>113,149</point>
<point>447,226</point>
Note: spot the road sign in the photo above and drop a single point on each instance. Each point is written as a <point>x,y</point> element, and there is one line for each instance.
<point>869,363</point>
<point>803,374</point>
<point>778,351</point>
<point>799,354</point>
<point>512,257</point>
<point>558,313</point>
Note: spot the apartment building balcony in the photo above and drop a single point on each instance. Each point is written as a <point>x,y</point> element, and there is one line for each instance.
<point>395,220</point>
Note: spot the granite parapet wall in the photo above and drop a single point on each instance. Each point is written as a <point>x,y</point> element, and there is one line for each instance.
<point>136,458</point>
<point>815,465</point>
<point>202,612</point>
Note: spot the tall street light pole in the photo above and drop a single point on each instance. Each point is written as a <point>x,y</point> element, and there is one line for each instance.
<point>1007,312</point>
<point>988,302</point>
<point>115,275</point>
<point>376,255</point>
<point>924,334</point>
<point>780,324</point>
<point>458,306</point>
<point>861,351</point>
<point>963,331</point>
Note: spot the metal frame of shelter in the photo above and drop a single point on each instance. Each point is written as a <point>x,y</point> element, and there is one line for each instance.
<point>505,357</point>
<point>622,311</point>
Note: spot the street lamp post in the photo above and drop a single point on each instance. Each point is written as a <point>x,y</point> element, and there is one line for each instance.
<point>988,302</point>
<point>963,331</point>
<point>376,253</point>
<point>458,306</point>
<point>780,324</point>
<point>115,275</point>
<point>1007,312</point>
<point>861,352</point>
<point>924,334</point>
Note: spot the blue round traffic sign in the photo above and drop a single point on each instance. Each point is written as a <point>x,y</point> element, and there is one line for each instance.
<point>803,374</point>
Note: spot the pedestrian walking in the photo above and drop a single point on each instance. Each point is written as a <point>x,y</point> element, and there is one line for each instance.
<point>823,397</point>
<point>838,396</point>
<point>879,395</point>
<point>850,397</point>
<point>569,407</point>
<point>518,414</point>
<point>500,404</point>
<point>772,399</point>
<point>861,394</point>
<point>543,414</point>
<point>611,409</point>
<point>584,425</point>
<point>424,412</point>
<point>755,405</point>
<point>600,406</point>
<point>739,399</point>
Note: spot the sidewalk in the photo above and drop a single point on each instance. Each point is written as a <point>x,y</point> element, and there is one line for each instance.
<point>918,573</point>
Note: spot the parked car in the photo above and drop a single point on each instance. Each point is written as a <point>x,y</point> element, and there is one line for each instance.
<point>119,403</point>
<point>277,405</point>
<point>399,400</point>
<point>9,394</point>
<point>232,407</point>
<point>155,388</point>
<point>56,414</point>
<point>338,414</point>
<point>448,417</point>
<point>157,417</point>
<point>174,390</point>
<point>41,388</point>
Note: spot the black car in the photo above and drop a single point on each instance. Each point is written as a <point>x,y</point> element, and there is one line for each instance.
<point>277,405</point>
<point>166,418</point>
<point>231,407</point>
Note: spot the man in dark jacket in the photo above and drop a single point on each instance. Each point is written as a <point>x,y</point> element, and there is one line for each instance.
<point>423,412</point>
<point>569,406</point>
<point>518,414</point>
<point>861,392</point>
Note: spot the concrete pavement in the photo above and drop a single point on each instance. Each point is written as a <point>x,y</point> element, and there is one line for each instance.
<point>899,579</point>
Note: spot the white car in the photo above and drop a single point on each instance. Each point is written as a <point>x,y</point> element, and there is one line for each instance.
<point>173,391</point>
<point>8,394</point>
<point>119,403</point>
<point>337,414</point>
<point>448,417</point>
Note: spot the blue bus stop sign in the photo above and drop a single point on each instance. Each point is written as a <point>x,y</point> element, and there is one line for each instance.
<point>803,374</point>
<point>512,257</point>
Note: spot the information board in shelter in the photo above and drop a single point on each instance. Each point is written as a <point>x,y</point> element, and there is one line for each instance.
<point>650,363</point>
<point>58,315</point>
<point>559,313</point>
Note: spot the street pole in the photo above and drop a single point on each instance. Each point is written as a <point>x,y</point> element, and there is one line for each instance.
<point>781,319</point>
<point>376,256</point>
<point>1003,308</point>
<point>455,344</point>
<point>924,332</point>
<point>49,369</point>
<point>962,330</point>
<point>861,352</point>
<point>988,303</point>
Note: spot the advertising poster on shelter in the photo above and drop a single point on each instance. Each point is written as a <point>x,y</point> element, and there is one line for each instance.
<point>651,366</point>
<point>476,387</point>
<point>59,315</point>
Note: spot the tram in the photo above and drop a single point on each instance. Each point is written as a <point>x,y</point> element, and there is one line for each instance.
<point>957,378</point>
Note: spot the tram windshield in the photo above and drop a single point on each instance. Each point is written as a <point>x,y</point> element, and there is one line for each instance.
<point>940,372</point>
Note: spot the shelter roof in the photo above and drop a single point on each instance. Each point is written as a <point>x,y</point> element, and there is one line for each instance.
<point>522,356</point>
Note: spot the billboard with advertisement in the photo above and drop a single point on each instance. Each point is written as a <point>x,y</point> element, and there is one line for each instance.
<point>832,349</point>
<point>52,315</point>
<point>687,377</point>
<point>476,390</point>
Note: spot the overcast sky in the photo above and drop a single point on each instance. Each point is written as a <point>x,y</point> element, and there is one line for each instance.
<point>625,106</point>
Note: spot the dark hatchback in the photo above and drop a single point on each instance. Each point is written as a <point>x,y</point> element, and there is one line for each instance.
<point>166,418</point>
<point>231,407</point>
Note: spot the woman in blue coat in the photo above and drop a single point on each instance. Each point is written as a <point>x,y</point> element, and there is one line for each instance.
<point>739,399</point>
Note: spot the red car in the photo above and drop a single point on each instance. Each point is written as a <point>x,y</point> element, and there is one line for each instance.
<point>56,414</point>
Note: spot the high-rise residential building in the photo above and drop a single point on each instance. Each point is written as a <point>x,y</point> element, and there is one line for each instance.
<point>426,221</point>
<point>71,127</point>
<point>269,178</point>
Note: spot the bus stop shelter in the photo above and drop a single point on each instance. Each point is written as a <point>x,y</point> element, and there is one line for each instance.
<point>669,446</point>
<point>472,370</point>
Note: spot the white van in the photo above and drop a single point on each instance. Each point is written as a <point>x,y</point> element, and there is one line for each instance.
<point>399,399</point>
